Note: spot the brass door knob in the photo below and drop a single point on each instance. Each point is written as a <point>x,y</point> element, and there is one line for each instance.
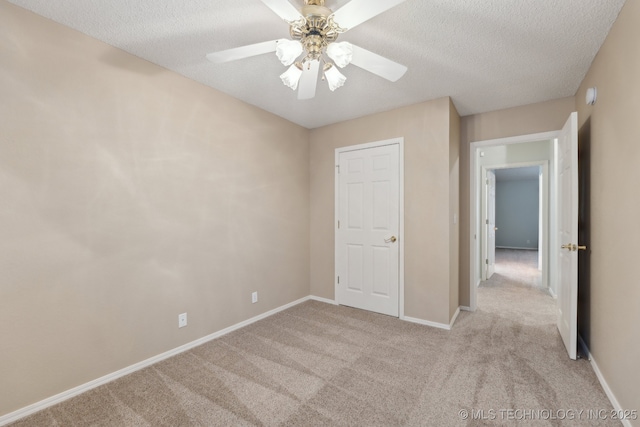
<point>574,247</point>
<point>391,239</point>
<point>495,228</point>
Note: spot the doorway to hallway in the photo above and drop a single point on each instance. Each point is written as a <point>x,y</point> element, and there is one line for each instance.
<point>514,293</point>
<point>516,267</point>
<point>559,268</point>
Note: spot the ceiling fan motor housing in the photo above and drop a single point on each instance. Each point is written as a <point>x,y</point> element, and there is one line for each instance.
<point>316,30</point>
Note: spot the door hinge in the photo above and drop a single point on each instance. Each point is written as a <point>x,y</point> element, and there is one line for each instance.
<point>487,221</point>
<point>338,168</point>
<point>486,261</point>
<point>487,182</point>
<point>338,280</point>
<point>338,224</point>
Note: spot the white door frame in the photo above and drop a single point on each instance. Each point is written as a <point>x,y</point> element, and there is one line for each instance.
<point>484,214</point>
<point>474,202</point>
<point>543,211</point>
<point>400,142</point>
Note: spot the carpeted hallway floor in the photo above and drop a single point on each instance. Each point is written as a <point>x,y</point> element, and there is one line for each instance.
<point>317,364</point>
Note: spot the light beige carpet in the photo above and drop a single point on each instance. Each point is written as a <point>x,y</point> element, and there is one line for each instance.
<point>317,364</point>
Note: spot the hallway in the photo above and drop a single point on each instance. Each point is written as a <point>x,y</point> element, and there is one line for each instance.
<point>515,289</point>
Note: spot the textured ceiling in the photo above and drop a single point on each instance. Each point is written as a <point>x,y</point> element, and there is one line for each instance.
<point>485,54</point>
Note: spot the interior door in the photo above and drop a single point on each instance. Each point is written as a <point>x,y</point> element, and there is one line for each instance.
<point>568,234</point>
<point>367,253</point>
<point>491,223</point>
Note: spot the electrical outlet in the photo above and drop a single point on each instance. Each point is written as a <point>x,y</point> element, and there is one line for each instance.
<point>182,320</point>
<point>254,297</point>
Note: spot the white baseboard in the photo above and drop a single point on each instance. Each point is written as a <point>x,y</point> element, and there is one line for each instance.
<point>405,318</point>
<point>603,382</point>
<point>553,294</point>
<point>427,323</point>
<point>65,395</point>
<point>465,308</point>
<point>325,300</point>
<point>455,316</point>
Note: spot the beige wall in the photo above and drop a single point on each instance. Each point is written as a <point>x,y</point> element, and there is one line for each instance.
<point>529,119</point>
<point>611,133</point>
<point>130,195</point>
<point>425,129</point>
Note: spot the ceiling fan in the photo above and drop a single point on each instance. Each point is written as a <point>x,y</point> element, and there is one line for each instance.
<point>314,30</point>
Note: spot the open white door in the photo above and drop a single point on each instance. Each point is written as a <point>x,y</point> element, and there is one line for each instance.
<point>568,235</point>
<point>368,216</point>
<point>491,223</point>
<point>488,219</point>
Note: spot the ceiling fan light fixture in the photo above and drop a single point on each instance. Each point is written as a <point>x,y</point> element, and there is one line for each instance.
<point>314,29</point>
<point>288,50</point>
<point>291,77</point>
<point>335,78</point>
<point>341,53</point>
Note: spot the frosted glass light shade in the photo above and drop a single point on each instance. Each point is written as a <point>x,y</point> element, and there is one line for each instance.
<point>335,78</point>
<point>288,50</point>
<point>291,77</point>
<point>341,53</point>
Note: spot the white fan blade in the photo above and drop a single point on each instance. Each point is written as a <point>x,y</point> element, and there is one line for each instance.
<point>309,80</point>
<point>357,11</point>
<point>283,9</point>
<point>377,64</point>
<point>243,52</point>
